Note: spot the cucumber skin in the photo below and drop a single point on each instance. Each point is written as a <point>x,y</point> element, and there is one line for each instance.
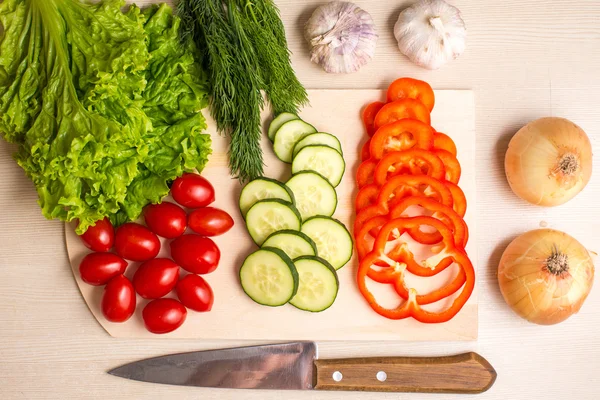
<point>340,150</point>
<point>331,269</point>
<point>297,233</point>
<point>289,263</point>
<point>272,139</point>
<point>275,181</point>
<point>347,231</point>
<point>282,202</point>
<point>322,145</point>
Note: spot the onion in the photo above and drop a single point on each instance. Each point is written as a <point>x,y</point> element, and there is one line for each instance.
<point>545,276</point>
<point>549,161</point>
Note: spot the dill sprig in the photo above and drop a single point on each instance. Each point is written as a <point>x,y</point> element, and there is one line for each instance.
<point>244,50</point>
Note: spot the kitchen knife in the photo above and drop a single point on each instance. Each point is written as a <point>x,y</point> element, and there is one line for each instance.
<point>295,366</point>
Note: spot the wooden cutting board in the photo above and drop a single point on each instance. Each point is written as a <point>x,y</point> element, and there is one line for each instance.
<point>234,315</point>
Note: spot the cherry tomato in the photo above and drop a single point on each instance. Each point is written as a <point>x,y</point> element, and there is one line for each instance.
<point>369,114</point>
<point>164,315</point>
<point>118,300</point>
<point>99,268</point>
<point>99,237</point>
<point>165,219</point>
<point>156,278</point>
<point>402,109</point>
<point>135,242</point>
<point>210,221</point>
<point>412,89</point>
<point>192,191</point>
<point>195,293</point>
<point>195,254</point>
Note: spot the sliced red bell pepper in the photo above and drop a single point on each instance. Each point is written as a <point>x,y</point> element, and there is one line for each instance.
<point>439,211</point>
<point>402,109</point>
<point>412,161</point>
<point>413,89</point>
<point>401,135</point>
<point>459,202</point>
<point>444,142</point>
<point>412,307</point>
<point>451,165</point>
<point>365,152</point>
<point>366,173</point>
<point>367,195</point>
<point>401,186</point>
<point>369,114</point>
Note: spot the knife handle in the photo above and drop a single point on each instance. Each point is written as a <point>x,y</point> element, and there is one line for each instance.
<point>462,373</point>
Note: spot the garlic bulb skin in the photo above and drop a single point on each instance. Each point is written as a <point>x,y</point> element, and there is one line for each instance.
<point>342,37</point>
<point>431,33</point>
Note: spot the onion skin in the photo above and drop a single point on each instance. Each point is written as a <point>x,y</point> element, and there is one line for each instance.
<point>534,158</point>
<point>531,290</point>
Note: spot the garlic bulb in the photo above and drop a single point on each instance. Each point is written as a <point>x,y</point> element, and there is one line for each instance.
<point>430,33</point>
<point>342,37</point>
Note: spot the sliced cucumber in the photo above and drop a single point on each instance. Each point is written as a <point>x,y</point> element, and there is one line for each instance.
<point>278,121</point>
<point>314,194</point>
<point>293,243</point>
<point>268,216</point>
<point>318,285</point>
<point>333,240</point>
<point>269,277</point>
<point>322,138</point>
<point>322,159</point>
<point>288,135</point>
<point>261,189</point>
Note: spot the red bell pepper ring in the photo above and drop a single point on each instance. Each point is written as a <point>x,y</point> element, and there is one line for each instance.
<point>412,161</point>
<point>399,186</point>
<point>444,213</point>
<point>413,89</point>
<point>369,114</point>
<point>401,135</point>
<point>411,307</point>
<point>366,173</point>
<point>402,109</point>
<point>365,152</point>
<point>366,196</point>
<point>451,165</point>
<point>442,141</point>
<point>459,203</point>
<point>436,295</point>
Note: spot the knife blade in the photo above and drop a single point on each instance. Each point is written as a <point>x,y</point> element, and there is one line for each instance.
<point>295,366</point>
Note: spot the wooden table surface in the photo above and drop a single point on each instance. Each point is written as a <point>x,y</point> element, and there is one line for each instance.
<point>524,60</point>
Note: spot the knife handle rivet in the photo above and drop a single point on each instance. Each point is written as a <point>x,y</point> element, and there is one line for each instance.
<point>337,376</point>
<point>381,376</point>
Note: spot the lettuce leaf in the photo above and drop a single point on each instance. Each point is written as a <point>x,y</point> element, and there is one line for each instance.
<point>104,104</point>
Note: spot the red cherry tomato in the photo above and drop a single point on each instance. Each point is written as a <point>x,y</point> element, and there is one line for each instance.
<point>195,254</point>
<point>164,315</point>
<point>135,242</point>
<point>193,191</point>
<point>99,237</point>
<point>156,278</point>
<point>166,219</point>
<point>99,268</point>
<point>195,293</point>
<point>210,221</point>
<point>118,300</point>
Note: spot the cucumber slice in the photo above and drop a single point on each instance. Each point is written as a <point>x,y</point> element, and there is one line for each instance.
<point>333,240</point>
<point>261,189</point>
<point>268,216</point>
<point>278,121</point>
<point>292,243</point>
<point>318,285</point>
<point>314,194</point>
<point>322,138</point>
<point>322,159</point>
<point>288,135</point>
<point>269,277</point>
